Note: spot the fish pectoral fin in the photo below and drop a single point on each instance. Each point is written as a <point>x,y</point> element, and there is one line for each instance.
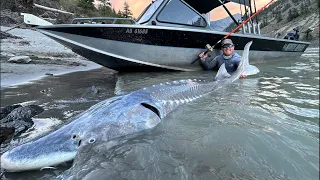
<point>222,73</point>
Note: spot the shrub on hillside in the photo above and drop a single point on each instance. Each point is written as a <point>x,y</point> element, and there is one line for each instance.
<point>264,24</point>
<point>293,13</point>
<point>70,5</point>
<point>295,1</point>
<point>86,7</point>
<point>286,7</point>
<point>279,17</point>
<point>304,9</point>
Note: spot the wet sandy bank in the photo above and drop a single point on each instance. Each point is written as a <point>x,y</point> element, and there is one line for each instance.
<point>47,58</point>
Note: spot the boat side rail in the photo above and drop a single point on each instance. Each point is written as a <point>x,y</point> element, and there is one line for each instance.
<point>103,20</point>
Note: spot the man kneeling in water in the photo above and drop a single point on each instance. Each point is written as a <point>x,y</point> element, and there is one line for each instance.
<point>229,57</point>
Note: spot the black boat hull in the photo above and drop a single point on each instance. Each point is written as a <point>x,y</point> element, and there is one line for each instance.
<point>149,48</point>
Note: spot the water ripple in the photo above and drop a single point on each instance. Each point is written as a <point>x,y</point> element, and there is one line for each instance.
<point>304,112</point>
<point>261,127</point>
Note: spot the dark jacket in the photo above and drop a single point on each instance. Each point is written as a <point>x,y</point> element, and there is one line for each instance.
<point>214,63</point>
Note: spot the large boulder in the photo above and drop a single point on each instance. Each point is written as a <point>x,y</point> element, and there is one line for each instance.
<point>4,111</point>
<point>16,120</point>
<point>23,113</point>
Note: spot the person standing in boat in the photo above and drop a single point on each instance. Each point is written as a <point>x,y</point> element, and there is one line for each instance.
<point>228,56</point>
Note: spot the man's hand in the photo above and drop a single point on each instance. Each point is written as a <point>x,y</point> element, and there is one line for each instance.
<point>203,56</point>
<point>243,76</point>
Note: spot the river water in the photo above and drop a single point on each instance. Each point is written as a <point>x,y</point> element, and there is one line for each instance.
<point>263,127</point>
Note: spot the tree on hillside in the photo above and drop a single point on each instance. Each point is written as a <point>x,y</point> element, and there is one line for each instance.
<point>86,7</point>
<point>271,8</point>
<point>293,13</point>
<point>105,8</point>
<point>126,10</point>
<point>120,14</point>
<point>304,9</point>
<point>278,16</point>
<point>70,5</point>
<point>308,2</point>
<point>264,22</point>
<point>286,7</point>
<point>274,13</point>
<point>105,3</point>
<point>231,27</point>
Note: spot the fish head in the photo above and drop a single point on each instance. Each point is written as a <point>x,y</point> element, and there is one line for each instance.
<point>103,121</point>
<point>58,146</point>
<point>53,149</point>
<point>121,124</point>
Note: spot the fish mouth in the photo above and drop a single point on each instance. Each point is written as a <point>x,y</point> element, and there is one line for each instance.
<point>11,163</point>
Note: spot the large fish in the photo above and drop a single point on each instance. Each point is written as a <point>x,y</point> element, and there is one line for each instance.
<point>115,117</point>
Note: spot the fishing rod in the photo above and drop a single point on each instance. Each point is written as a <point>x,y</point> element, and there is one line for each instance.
<point>210,48</point>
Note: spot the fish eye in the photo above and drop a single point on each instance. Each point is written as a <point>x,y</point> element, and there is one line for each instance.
<point>74,136</point>
<point>92,140</point>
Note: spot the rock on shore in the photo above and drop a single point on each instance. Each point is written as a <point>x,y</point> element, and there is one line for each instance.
<point>16,119</point>
<point>48,57</point>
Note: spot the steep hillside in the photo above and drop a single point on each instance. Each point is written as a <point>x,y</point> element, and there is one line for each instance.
<point>283,16</point>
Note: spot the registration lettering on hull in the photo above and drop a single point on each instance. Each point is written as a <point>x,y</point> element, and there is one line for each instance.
<point>294,47</point>
<point>136,31</point>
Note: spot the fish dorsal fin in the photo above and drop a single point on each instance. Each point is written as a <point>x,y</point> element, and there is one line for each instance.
<point>222,73</point>
<point>247,68</point>
<point>245,56</point>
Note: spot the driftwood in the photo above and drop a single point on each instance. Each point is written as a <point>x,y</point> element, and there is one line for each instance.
<point>52,9</point>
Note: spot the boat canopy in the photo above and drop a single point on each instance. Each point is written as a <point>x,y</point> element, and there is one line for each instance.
<point>205,6</point>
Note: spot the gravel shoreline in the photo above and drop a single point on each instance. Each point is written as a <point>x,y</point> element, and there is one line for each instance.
<point>48,58</point>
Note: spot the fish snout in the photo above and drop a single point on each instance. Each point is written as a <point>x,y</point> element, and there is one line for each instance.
<point>38,154</point>
<point>5,162</point>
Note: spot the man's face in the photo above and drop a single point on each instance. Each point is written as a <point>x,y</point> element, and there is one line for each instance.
<point>228,49</point>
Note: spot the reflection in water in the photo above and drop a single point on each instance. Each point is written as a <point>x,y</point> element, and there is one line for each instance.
<point>262,127</point>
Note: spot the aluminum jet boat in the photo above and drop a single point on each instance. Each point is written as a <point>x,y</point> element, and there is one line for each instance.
<point>168,35</point>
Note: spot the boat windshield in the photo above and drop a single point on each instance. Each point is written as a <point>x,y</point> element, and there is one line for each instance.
<point>149,11</point>
<point>176,12</point>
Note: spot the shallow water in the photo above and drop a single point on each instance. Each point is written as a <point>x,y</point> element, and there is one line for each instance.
<point>263,127</point>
